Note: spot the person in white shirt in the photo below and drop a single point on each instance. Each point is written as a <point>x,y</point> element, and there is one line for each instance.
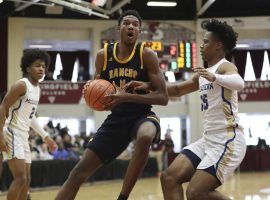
<point>209,161</point>
<point>17,115</point>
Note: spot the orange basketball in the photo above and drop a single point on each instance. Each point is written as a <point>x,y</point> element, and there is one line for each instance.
<point>95,92</point>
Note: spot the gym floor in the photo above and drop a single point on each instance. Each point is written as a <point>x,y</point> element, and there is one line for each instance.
<point>242,186</point>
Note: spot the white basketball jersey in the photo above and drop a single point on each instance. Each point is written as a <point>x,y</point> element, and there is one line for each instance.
<point>218,104</point>
<point>23,110</point>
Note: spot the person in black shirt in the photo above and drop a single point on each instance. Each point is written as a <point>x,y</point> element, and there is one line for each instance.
<point>131,117</point>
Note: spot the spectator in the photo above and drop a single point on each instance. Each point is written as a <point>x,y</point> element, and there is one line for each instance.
<point>43,152</point>
<point>60,76</point>
<point>168,155</point>
<point>50,129</point>
<point>72,150</point>
<point>49,76</point>
<point>157,151</point>
<point>83,74</point>
<point>79,144</point>
<point>61,153</point>
<point>262,144</point>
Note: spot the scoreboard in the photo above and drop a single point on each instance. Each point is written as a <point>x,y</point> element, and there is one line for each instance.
<point>174,56</point>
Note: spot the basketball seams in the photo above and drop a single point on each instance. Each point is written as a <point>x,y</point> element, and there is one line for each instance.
<point>90,92</point>
<point>95,92</point>
<point>97,99</point>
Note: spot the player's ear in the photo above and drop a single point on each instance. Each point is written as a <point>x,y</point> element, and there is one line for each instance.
<point>219,45</point>
<point>27,69</point>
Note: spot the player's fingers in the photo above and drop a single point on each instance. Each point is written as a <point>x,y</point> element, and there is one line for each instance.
<point>108,106</point>
<point>3,148</point>
<point>127,85</point>
<point>140,87</point>
<point>116,86</point>
<point>97,76</point>
<point>86,85</point>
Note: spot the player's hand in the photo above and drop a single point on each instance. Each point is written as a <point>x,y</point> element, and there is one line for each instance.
<point>51,144</point>
<point>3,146</point>
<point>205,73</point>
<point>137,85</point>
<point>86,85</point>
<point>115,98</point>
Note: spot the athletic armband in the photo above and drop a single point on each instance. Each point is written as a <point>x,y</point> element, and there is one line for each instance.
<point>230,81</point>
<point>35,125</point>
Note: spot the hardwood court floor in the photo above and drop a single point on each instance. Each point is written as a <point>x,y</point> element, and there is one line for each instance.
<point>243,186</point>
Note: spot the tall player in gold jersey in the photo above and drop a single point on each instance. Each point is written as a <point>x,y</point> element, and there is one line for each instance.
<point>208,162</point>
<point>131,116</point>
<point>19,106</point>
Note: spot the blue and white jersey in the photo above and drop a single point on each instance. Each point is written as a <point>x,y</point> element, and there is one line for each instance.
<point>23,110</point>
<point>218,104</point>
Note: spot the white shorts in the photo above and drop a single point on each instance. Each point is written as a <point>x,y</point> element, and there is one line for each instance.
<point>18,145</point>
<point>223,149</point>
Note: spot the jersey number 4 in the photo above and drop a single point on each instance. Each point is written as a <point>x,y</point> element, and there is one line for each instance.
<point>204,105</point>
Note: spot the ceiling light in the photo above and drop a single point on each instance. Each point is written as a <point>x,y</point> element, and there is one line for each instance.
<point>40,46</point>
<point>242,45</point>
<point>162,3</point>
<point>1,1</point>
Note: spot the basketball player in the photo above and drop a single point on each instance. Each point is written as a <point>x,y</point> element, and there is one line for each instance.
<point>2,95</point>
<point>131,116</point>
<point>17,115</point>
<point>209,162</point>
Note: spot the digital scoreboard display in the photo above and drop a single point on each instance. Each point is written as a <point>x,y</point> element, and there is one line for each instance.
<point>155,45</point>
<point>175,56</point>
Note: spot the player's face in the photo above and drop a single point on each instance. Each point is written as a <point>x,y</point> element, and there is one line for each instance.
<point>209,46</point>
<point>130,29</point>
<point>37,70</point>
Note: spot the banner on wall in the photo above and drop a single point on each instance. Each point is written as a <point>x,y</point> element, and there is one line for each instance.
<point>60,92</point>
<point>255,91</point>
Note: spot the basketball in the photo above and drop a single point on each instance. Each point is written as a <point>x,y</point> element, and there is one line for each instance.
<point>95,92</point>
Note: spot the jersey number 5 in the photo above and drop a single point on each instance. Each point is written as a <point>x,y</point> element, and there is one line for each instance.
<point>204,105</point>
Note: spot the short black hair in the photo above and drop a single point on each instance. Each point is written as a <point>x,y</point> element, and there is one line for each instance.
<point>30,55</point>
<point>130,12</point>
<point>223,33</point>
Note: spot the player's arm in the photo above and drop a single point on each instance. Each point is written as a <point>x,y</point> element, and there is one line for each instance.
<point>16,91</point>
<point>181,88</point>
<point>159,94</point>
<point>44,135</point>
<point>174,89</point>
<point>99,62</point>
<point>226,76</point>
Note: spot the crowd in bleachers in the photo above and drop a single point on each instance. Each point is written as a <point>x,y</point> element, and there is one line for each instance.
<point>72,147</point>
<point>69,147</point>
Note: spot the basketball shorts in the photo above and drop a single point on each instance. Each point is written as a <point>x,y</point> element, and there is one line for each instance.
<point>218,153</point>
<point>116,132</point>
<point>17,144</point>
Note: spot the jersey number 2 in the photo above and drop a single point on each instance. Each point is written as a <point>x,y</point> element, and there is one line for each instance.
<point>204,105</point>
<point>32,113</point>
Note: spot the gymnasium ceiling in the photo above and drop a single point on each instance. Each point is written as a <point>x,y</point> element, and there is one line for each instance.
<point>185,9</point>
